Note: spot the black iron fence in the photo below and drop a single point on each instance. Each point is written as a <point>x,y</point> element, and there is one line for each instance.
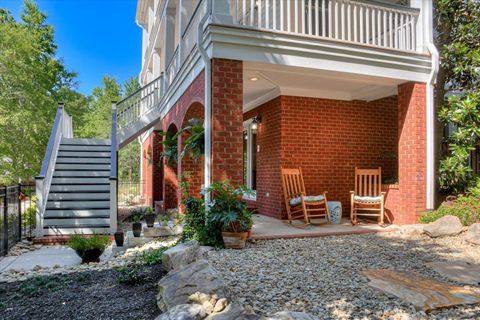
<point>17,215</point>
<point>131,193</point>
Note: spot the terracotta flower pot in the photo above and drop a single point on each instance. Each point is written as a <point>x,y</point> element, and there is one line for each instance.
<point>137,229</point>
<point>234,240</point>
<point>119,238</point>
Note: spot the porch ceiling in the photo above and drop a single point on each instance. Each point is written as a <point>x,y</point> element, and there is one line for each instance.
<point>274,80</point>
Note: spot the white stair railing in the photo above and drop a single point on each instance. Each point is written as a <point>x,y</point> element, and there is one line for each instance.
<point>362,22</point>
<point>62,128</point>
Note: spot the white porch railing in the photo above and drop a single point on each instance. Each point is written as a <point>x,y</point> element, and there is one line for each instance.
<point>62,128</point>
<point>172,68</point>
<point>139,103</point>
<point>362,22</point>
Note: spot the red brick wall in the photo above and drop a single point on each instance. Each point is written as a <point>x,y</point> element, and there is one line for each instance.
<point>227,120</point>
<point>327,139</point>
<point>152,174</point>
<point>269,192</point>
<point>411,151</point>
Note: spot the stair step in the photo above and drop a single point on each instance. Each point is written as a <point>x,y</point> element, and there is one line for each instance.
<point>81,174</point>
<point>94,148</point>
<point>62,231</point>
<point>82,167</point>
<point>64,160</point>
<point>81,213</point>
<point>80,181</point>
<point>76,141</point>
<point>76,196</point>
<point>73,222</point>
<point>65,188</point>
<point>90,204</point>
<point>83,154</point>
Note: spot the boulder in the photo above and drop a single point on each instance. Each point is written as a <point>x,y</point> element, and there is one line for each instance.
<point>233,311</point>
<point>409,230</point>
<point>445,226</point>
<point>473,234</point>
<point>183,312</point>
<point>180,255</point>
<point>291,315</point>
<point>179,284</point>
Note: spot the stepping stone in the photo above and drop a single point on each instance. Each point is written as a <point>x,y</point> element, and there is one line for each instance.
<point>425,294</point>
<point>458,271</point>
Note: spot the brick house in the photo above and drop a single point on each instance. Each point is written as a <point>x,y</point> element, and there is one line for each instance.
<point>325,85</point>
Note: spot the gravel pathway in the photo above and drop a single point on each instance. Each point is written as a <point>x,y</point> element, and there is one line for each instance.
<point>322,275</point>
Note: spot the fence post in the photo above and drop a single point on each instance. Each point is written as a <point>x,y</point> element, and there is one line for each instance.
<point>5,221</point>
<point>19,197</point>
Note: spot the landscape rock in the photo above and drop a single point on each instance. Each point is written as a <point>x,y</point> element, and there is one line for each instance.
<point>220,305</point>
<point>183,312</point>
<point>291,315</point>
<point>473,234</point>
<point>445,226</point>
<point>181,254</point>
<point>233,311</point>
<point>199,298</point>
<point>179,284</point>
<point>411,230</point>
<point>208,307</point>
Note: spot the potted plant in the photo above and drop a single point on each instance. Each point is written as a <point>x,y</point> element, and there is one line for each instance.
<point>163,220</point>
<point>149,217</point>
<point>229,211</point>
<point>89,248</point>
<point>119,238</point>
<point>135,217</point>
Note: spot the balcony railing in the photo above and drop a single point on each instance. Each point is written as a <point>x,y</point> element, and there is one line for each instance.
<point>139,103</point>
<point>362,22</point>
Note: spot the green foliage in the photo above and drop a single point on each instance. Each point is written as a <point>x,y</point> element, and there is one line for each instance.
<point>458,92</point>
<point>227,207</point>
<point>170,147</point>
<point>81,243</point>
<point>32,80</point>
<point>132,274</point>
<point>466,207</point>
<point>136,215</point>
<point>195,143</point>
<point>154,256</point>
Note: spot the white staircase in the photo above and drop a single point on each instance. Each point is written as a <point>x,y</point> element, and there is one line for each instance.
<point>76,189</point>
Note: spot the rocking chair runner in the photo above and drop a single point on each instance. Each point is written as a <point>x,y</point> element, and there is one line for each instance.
<point>367,199</point>
<point>299,205</point>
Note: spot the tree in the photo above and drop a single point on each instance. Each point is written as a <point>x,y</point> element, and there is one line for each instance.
<point>458,93</point>
<point>129,157</point>
<point>31,82</point>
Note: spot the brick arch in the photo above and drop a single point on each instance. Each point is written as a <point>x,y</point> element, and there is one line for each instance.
<point>195,167</point>
<point>170,178</point>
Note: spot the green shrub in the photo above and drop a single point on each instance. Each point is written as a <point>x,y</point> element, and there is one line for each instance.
<point>132,274</point>
<point>466,208</point>
<point>154,256</point>
<point>195,227</point>
<point>136,215</point>
<point>80,242</point>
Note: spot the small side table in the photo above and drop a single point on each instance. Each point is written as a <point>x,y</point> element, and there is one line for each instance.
<point>335,210</point>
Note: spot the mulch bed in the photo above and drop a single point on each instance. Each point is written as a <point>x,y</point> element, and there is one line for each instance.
<point>82,295</point>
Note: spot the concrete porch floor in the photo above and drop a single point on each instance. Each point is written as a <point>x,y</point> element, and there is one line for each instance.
<point>265,227</point>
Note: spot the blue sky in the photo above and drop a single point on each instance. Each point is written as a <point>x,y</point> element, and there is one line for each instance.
<point>94,37</point>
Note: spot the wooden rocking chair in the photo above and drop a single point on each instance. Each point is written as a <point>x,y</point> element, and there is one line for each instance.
<point>299,205</point>
<point>368,198</point>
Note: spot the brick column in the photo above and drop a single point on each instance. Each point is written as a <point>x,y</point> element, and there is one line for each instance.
<point>227,120</point>
<point>152,174</point>
<point>411,152</point>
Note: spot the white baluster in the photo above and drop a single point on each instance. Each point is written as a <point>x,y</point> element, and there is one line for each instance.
<point>361,24</point>
<point>274,14</point>
<point>384,13</point>
<point>295,18</point>
<point>379,27</point>
<point>267,14</point>
<point>302,15</point>
<point>324,21</point>
<point>282,26</point>
<point>336,19</point>
<point>342,21</point>
<point>349,21</point>
<point>413,29</point>
<point>330,18</point>
<point>367,24</point>
<point>310,25</point>
<point>252,11</point>
<point>396,31</point>
<point>390,26</point>
<point>317,22</point>
<point>407,31</point>
<point>244,12</point>
<point>402,32</point>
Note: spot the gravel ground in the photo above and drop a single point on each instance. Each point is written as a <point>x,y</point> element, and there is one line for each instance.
<point>82,295</point>
<point>322,275</point>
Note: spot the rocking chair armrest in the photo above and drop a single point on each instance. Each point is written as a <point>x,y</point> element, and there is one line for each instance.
<point>382,194</point>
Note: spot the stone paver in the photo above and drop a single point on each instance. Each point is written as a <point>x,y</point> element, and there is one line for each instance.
<point>270,228</point>
<point>45,257</point>
<point>458,271</point>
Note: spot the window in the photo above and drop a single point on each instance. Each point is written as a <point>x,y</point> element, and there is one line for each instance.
<point>250,156</point>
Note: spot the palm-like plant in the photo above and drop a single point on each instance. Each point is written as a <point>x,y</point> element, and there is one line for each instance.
<point>195,143</point>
